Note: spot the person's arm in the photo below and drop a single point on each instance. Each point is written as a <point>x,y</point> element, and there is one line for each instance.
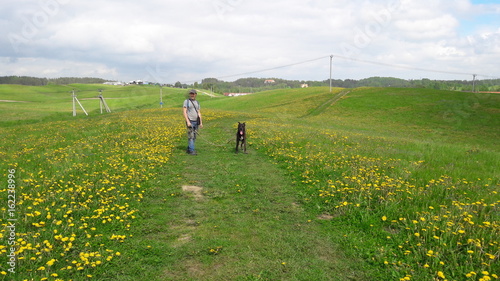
<point>188,123</point>
<point>201,120</point>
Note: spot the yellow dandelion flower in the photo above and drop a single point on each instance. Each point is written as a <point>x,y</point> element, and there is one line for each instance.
<point>492,257</point>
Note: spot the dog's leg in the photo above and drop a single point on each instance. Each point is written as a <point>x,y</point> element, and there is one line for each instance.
<point>238,137</point>
<point>244,142</point>
<point>237,142</point>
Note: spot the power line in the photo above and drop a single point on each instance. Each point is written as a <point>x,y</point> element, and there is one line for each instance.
<point>273,68</point>
<point>411,68</point>
<point>352,59</point>
<point>267,69</point>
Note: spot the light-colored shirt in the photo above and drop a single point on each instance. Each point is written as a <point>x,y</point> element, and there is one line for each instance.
<point>191,111</point>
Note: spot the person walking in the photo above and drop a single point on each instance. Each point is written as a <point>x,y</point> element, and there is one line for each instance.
<point>192,115</point>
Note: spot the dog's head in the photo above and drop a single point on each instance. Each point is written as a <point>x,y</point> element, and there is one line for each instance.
<point>241,128</point>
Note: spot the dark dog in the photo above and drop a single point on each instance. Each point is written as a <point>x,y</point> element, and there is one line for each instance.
<point>241,138</point>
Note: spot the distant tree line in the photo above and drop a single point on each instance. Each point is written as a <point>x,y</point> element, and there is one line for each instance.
<point>35,81</point>
<point>249,85</point>
<point>453,85</point>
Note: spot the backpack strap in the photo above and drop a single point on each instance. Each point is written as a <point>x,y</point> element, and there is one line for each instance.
<point>193,106</point>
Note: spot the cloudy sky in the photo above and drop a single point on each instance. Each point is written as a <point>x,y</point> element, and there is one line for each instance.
<point>187,40</point>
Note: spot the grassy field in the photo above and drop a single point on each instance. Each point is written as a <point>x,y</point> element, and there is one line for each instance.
<point>357,184</point>
<point>38,103</point>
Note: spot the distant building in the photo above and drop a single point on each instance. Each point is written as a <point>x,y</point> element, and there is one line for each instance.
<point>269,81</point>
<point>304,86</point>
<point>236,94</point>
<point>115,83</point>
<point>136,82</point>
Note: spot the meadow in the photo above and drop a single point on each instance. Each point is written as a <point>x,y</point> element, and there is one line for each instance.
<point>362,184</point>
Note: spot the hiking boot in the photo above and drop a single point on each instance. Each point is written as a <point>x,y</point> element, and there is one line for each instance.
<point>193,153</point>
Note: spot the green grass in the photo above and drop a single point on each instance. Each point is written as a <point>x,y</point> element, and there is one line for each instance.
<point>55,101</point>
<point>364,184</point>
<point>246,225</point>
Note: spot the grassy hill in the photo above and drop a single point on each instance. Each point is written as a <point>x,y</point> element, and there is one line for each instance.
<point>36,102</point>
<point>356,184</point>
<point>454,124</point>
<point>444,115</point>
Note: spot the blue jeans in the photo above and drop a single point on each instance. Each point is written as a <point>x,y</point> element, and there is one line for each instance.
<point>191,132</point>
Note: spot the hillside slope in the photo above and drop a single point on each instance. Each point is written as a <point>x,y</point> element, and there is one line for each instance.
<point>35,103</point>
<point>445,115</point>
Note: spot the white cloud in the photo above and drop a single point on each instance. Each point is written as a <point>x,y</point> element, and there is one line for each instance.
<point>486,43</point>
<point>443,26</point>
<point>41,67</point>
<point>195,39</point>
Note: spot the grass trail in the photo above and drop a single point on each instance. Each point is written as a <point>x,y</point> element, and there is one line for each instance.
<point>325,105</point>
<point>242,224</point>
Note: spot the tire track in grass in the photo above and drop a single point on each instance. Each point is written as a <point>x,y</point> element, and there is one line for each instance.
<point>322,107</point>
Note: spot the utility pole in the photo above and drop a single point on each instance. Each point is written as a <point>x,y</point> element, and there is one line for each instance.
<point>161,96</point>
<point>74,102</point>
<point>75,99</point>
<point>331,59</point>
<point>474,83</point>
<point>103,103</point>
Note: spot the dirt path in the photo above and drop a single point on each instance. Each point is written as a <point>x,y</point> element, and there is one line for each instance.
<point>237,218</point>
<point>226,216</point>
<point>12,101</point>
